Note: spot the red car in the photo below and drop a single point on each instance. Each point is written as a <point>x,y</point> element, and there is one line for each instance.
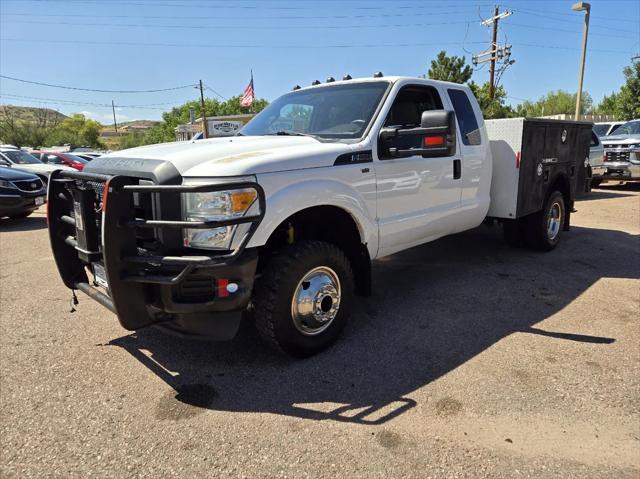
<point>57,158</point>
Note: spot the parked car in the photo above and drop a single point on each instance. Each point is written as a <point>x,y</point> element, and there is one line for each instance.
<point>14,157</point>
<point>596,160</point>
<point>287,216</point>
<point>622,152</point>
<point>606,128</point>
<point>20,193</point>
<point>86,155</point>
<point>59,158</point>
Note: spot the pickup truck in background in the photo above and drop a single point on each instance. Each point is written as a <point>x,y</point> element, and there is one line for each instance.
<point>284,219</point>
<point>622,152</point>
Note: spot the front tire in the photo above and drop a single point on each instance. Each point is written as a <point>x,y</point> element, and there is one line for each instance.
<point>303,298</point>
<point>543,229</point>
<point>595,183</point>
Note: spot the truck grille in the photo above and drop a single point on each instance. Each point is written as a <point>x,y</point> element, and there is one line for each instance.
<point>617,156</point>
<point>28,185</point>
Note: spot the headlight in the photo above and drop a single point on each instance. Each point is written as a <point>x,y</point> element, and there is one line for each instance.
<point>7,184</point>
<point>217,206</point>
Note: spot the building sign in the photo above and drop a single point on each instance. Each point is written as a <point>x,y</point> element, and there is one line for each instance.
<point>224,127</point>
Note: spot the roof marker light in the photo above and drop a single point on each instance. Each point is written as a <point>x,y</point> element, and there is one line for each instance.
<point>330,79</point>
<point>378,75</point>
<point>347,77</point>
<point>316,82</point>
<point>297,87</point>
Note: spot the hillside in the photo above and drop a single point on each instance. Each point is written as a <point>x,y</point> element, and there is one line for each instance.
<point>30,114</point>
<point>136,123</point>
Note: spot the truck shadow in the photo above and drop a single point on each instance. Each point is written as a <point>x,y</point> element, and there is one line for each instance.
<point>434,308</point>
<point>31,223</point>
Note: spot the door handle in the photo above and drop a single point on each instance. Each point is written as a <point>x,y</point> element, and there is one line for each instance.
<point>457,169</point>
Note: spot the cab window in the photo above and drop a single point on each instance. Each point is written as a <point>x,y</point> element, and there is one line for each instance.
<point>467,121</point>
<point>406,112</point>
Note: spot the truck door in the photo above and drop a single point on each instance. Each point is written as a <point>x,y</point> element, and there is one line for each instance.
<point>416,196</point>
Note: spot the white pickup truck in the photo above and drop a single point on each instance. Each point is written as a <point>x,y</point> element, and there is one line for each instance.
<point>284,219</point>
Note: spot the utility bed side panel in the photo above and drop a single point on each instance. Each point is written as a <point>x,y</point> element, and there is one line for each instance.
<point>529,154</point>
<point>505,139</point>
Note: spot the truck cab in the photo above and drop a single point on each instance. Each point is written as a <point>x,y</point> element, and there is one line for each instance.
<point>284,219</point>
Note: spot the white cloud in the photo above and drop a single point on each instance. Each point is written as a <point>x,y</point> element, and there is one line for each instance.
<point>105,117</point>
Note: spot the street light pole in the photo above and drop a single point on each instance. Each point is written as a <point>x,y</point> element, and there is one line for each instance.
<point>582,7</point>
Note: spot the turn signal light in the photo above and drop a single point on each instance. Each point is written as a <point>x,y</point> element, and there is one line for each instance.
<point>242,200</point>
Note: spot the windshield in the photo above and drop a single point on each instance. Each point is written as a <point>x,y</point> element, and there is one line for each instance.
<point>601,129</point>
<point>335,112</point>
<point>75,158</point>
<point>21,157</point>
<point>629,128</point>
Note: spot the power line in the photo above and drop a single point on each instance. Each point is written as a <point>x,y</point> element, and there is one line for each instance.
<point>236,27</point>
<point>218,46</point>
<point>87,89</point>
<point>151,106</point>
<point>567,14</point>
<point>245,17</point>
<point>227,6</point>
<point>215,92</point>
<point>297,46</point>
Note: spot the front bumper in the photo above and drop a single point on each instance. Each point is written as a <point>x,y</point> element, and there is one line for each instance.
<point>97,220</point>
<point>622,170</point>
<point>15,204</point>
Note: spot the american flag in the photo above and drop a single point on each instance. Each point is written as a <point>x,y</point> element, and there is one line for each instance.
<point>248,95</point>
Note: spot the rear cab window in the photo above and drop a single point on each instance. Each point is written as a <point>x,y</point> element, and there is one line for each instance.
<point>467,121</point>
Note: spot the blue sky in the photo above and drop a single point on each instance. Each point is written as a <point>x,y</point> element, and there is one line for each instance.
<point>147,45</point>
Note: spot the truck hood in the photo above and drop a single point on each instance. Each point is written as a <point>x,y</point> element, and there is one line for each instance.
<point>235,156</point>
<point>11,174</point>
<point>41,167</point>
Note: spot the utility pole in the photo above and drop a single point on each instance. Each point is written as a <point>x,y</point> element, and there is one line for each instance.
<point>113,108</point>
<point>495,52</point>
<point>205,126</point>
<point>582,7</point>
<point>494,48</point>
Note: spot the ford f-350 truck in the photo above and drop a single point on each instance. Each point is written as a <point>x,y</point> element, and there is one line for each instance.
<point>284,219</point>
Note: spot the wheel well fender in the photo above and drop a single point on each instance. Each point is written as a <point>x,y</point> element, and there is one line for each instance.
<point>333,225</point>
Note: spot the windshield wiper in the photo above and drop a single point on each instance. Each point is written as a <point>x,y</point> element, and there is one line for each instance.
<point>290,133</point>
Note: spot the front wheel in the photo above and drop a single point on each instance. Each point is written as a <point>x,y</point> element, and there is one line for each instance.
<point>595,183</point>
<point>303,298</point>
<point>543,229</point>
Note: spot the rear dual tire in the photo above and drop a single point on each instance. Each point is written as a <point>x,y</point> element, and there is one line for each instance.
<point>540,231</point>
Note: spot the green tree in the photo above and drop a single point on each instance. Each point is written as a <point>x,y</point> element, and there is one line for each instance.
<point>491,108</point>
<point>450,68</point>
<point>555,103</point>
<point>131,140</point>
<point>609,105</point>
<point>165,131</point>
<point>76,130</point>
<point>629,96</point>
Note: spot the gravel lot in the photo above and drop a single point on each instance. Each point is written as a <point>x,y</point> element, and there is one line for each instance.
<point>471,360</point>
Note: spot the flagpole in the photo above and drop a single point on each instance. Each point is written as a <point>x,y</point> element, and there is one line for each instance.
<point>254,92</point>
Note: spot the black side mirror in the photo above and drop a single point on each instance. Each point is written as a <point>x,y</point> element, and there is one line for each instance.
<point>436,136</point>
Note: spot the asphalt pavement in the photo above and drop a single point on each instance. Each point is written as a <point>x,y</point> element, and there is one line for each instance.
<point>471,359</point>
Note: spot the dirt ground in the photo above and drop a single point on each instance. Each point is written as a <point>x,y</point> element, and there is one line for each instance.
<point>472,359</point>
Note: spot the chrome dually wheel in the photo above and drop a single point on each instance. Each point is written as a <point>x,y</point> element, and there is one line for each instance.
<point>316,301</point>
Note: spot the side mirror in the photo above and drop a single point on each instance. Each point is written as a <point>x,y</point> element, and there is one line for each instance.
<point>4,162</point>
<point>436,136</point>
